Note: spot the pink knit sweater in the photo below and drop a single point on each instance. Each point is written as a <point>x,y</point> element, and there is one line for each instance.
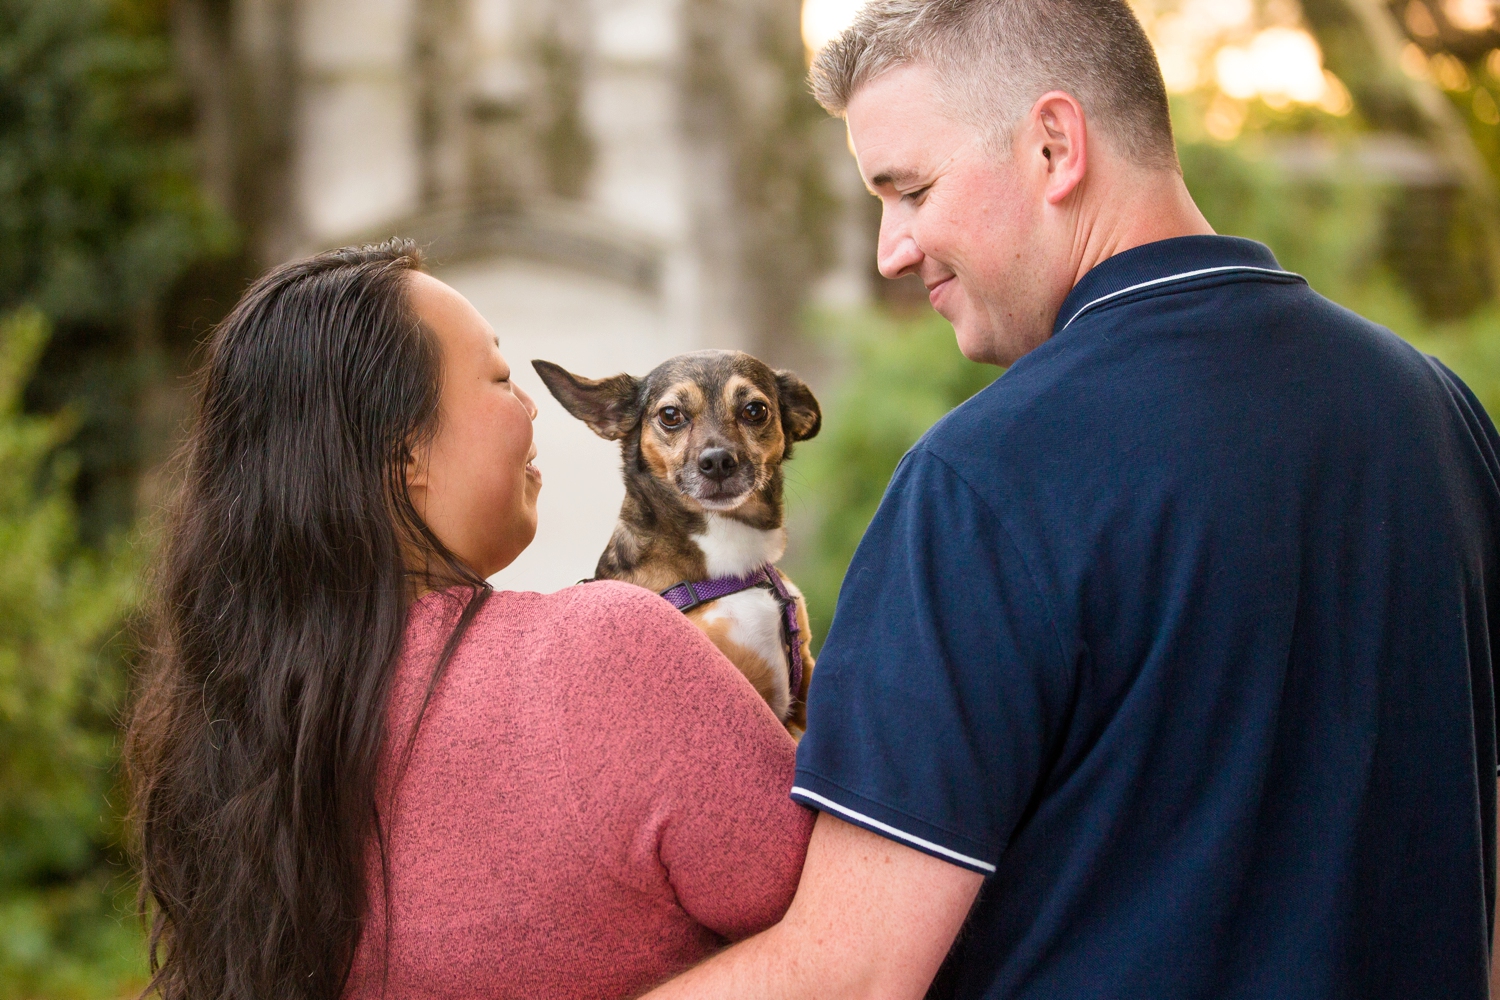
<point>595,800</point>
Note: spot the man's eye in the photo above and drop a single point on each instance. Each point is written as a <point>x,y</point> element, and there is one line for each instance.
<point>916,195</point>
<point>670,416</point>
<point>756,412</point>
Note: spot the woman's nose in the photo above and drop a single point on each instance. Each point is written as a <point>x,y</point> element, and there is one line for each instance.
<point>526,401</point>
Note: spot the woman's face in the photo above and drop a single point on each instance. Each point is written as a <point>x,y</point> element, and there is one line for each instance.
<point>474,483</point>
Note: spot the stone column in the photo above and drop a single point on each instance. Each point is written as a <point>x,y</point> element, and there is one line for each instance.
<point>358,148</point>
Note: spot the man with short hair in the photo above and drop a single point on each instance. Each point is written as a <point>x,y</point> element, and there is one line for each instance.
<point>1164,669</point>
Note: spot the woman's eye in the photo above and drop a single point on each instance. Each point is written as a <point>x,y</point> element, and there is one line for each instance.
<point>756,412</point>
<point>670,416</point>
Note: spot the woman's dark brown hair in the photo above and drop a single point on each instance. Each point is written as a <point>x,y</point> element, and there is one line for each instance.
<point>281,602</point>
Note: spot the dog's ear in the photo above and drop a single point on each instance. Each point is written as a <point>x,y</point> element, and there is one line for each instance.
<point>801,417</point>
<point>610,406</point>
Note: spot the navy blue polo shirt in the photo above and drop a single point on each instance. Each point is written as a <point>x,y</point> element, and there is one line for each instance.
<point>1180,633</point>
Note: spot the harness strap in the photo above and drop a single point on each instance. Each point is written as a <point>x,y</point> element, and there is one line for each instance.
<point>690,594</point>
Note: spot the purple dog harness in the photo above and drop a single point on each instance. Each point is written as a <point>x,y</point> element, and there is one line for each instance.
<point>688,595</point>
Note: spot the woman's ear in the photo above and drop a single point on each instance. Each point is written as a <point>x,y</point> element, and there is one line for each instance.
<point>416,469</point>
<point>610,406</point>
<point>801,417</point>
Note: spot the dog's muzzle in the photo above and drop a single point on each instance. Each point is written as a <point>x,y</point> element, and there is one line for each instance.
<point>717,479</point>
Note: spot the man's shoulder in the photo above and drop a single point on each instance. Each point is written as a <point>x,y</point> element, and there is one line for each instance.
<point>1089,407</point>
<point>1005,428</point>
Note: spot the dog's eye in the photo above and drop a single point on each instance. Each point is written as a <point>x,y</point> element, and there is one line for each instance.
<point>756,412</point>
<point>670,416</point>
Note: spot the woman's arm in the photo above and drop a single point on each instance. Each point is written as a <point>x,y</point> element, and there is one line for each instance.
<point>872,920</point>
<point>680,770</point>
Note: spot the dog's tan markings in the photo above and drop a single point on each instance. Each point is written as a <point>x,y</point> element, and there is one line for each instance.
<point>653,450</point>
<point>798,717</point>
<point>756,511</point>
<point>763,442</point>
<point>756,670</point>
<point>738,390</point>
<point>658,576</point>
<point>666,450</point>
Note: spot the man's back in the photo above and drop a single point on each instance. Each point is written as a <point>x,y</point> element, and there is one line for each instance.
<point>1205,581</point>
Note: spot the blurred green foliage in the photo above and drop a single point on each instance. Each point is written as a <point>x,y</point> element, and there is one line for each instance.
<point>64,900</point>
<point>900,375</point>
<point>99,211</point>
<point>100,216</point>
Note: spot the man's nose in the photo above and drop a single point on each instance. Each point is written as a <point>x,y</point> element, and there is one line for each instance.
<point>717,464</point>
<point>897,252</point>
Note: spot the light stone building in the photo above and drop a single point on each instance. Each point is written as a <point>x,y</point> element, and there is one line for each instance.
<point>611,182</point>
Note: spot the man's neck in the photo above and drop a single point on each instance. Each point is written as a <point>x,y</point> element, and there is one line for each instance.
<point>1139,207</point>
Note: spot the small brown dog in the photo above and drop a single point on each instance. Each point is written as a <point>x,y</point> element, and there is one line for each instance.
<point>703,438</point>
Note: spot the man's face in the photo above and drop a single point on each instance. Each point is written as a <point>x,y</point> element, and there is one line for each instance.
<point>968,219</point>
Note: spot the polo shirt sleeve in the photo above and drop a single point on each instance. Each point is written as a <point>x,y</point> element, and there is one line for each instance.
<point>942,683</point>
<point>1487,443</point>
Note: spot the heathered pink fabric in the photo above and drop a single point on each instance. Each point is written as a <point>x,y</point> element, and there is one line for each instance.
<point>595,800</point>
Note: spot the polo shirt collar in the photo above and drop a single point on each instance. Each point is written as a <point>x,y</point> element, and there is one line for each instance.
<point>1158,264</point>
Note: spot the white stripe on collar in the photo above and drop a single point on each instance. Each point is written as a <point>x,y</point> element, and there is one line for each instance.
<point>1176,277</point>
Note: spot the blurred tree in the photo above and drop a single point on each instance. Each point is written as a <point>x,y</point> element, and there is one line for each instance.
<point>63,929</point>
<point>1312,76</point>
<point>1443,240</point>
<point>903,373</point>
<point>747,70</point>
<point>100,222</point>
<point>99,218</point>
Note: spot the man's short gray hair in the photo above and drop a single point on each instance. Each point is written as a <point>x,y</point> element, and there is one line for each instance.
<point>997,57</point>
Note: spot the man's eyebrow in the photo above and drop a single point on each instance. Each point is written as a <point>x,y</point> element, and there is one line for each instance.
<point>893,177</point>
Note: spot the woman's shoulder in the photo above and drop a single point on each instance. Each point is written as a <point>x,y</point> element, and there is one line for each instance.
<point>440,610</point>
<point>605,616</point>
<point>604,642</point>
<point>596,598</point>
<point>597,609</point>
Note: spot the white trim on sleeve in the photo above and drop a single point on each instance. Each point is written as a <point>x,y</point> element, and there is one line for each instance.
<point>891,830</point>
<point>1176,277</point>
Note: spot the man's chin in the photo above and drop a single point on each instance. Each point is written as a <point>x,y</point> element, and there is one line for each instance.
<point>974,341</point>
<point>986,346</point>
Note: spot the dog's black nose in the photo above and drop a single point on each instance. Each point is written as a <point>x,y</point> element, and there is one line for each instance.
<point>717,464</point>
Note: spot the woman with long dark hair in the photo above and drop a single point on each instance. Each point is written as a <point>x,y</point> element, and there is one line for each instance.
<point>356,771</point>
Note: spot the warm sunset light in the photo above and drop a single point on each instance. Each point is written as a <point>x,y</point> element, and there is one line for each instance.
<point>823,20</point>
<point>1218,44</point>
<point>1470,15</point>
<point>1228,46</point>
<point>1280,65</point>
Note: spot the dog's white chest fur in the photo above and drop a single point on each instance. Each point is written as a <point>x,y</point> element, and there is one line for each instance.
<point>732,548</point>
<point>754,620</point>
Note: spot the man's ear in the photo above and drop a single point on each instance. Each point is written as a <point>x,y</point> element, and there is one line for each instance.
<point>1062,130</point>
<point>610,406</point>
<point>801,417</point>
